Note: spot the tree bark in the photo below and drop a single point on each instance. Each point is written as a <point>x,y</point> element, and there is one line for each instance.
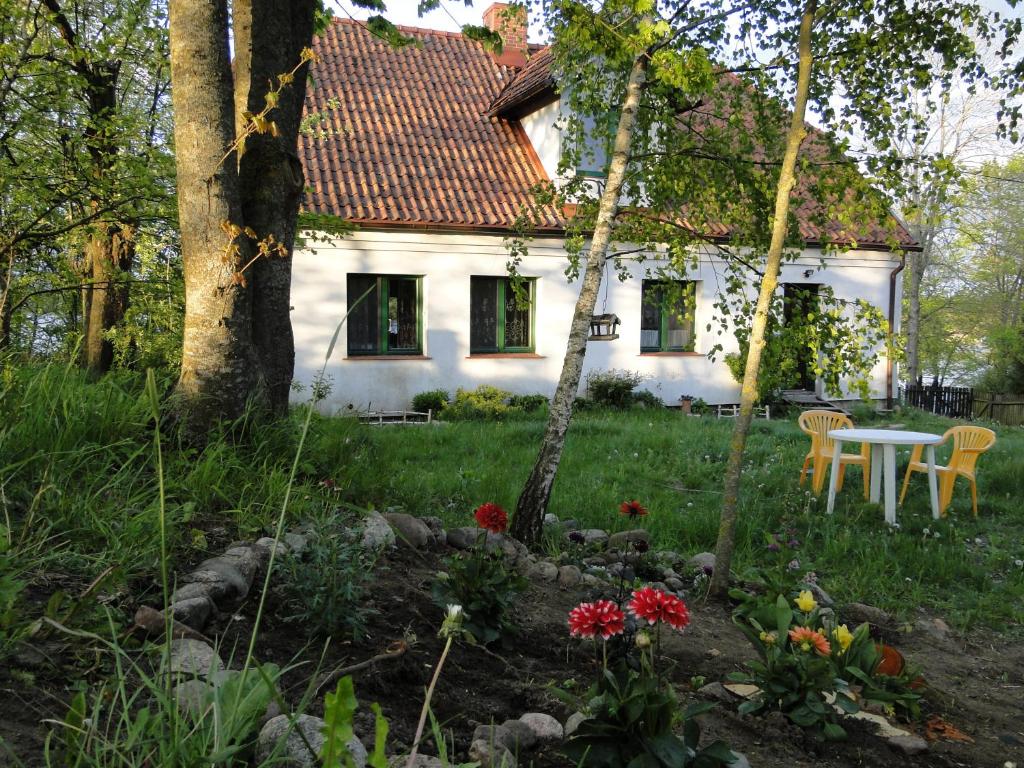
<point>748,394</point>
<point>533,501</point>
<point>220,369</point>
<point>269,38</point>
<point>110,254</point>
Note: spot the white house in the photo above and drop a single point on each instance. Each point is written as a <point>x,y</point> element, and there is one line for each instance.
<point>431,150</point>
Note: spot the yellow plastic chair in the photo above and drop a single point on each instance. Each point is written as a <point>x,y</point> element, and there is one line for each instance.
<point>968,444</point>
<point>817,424</point>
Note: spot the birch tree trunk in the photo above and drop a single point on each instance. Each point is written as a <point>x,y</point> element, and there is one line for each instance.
<point>748,395</point>
<point>220,369</point>
<point>533,501</point>
<point>269,38</point>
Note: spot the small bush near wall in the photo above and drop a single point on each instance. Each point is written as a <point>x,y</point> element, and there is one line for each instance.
<point>647,399</point>
<point>528,403</point>
<point>432,400</point>
<point>485,403</point>
<point>614,389</point>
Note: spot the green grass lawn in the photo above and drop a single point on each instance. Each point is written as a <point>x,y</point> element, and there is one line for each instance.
<point>79,492</point>
<point>959,567</point>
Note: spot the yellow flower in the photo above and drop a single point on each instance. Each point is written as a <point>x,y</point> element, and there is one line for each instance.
<point>806,602</point>
<point>843,636</point>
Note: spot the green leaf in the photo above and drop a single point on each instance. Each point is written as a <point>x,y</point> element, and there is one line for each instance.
<point>783,616</point>
<point>339,709</point>
<point>380,739</point>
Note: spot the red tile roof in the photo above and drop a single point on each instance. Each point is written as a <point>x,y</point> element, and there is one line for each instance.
<point>412,137</point>
<point>402,136</point>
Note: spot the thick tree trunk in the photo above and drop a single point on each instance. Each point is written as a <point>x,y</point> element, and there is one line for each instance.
<point>220,370</point>
<point>110,254</point>
<point>748,394</point>
<point>269,38</point>
<point>533,501</point>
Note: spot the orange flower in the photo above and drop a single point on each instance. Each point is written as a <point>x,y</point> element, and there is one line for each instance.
<point>807,639</point>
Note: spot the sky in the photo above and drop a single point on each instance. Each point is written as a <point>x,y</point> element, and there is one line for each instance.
<point>454,13</point>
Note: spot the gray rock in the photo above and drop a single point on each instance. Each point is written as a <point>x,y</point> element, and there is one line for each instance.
<point>623,539</point>
<point>296,542</point>
<point>436,526</point>
<point>191,591</point>
<point>670,573</point>
<point>523,737</point>
<point>491,756</point>
<point>194,658</point>
<point>377,534</point>
<point>717,692</point>
<point>246,560</point>
<point>858,613</point>
<point>590,580</point>
<point>701,561</point>
<point>821,595</point>
<point>420,761</point>
<point>190,695</point>
<point>225,580</point>
<point>467,538</point>
<point>573,722</point>
<point>569,576</point>
<point>676,585</point>
<point>550,519</point>
<point>294,753</point>
<point>936,629</point>
<point>544,571</point>
<point>740,761</point>
<point>410,531</point>
<point>570,524</point>
<point>546,728</point>
<point>193,611</point>
<point>911,744</point>
<point>497,735</point>
<point>266,545</point>
<point>594,536</point>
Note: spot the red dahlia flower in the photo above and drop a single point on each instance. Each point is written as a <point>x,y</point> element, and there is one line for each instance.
<point>491,517</point>
<point>653,605</point>
<point>601,618</point>
<point>632,508</point>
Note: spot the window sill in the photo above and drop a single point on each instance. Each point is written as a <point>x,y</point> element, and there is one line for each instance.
<point>671,354</point>
<point>503,355</point>
<point>386,357</point>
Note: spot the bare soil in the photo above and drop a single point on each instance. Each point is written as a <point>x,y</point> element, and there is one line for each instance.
<point>976,684</point>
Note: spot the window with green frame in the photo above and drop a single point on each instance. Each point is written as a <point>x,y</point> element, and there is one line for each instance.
<point>499,321</point>
<point>667,316</point>
<point>389,321</point>
<point>600,144</point>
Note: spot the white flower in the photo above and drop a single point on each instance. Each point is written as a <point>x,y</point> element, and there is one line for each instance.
<point>1019,563</point>
<point>937,535</point>
<point>926,532</point>
<point>689,503</point>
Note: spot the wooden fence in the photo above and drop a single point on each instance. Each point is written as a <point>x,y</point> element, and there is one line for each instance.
<point>1004,409</point>
<point>965,403</point>
<point>955,402</point>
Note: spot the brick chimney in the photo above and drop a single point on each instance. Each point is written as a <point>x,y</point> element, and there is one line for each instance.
<point>510,23</point>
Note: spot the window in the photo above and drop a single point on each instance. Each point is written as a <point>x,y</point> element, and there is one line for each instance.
<point>387,321</point>
<point>666,316</point>
<point>599,133</point>
<point>498,322</point>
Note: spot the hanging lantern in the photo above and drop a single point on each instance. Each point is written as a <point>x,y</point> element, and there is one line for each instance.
<point>604,327</point>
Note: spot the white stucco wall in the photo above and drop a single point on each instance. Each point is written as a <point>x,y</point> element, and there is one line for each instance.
<point>446,262</point>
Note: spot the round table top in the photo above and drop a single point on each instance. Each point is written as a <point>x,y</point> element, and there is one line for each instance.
<point>883,436</point>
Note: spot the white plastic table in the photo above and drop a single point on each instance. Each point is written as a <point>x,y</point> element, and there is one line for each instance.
<point>883,451</point>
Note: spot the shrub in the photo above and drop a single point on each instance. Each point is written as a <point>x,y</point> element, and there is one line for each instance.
<point>485,403</point>
<point>647,399</point>
<point>528,403</point>
<point>613,389</point>
<point>324,587</point>
<point>432,400</point>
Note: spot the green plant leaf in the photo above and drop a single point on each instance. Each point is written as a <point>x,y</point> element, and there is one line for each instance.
<point>339,709</point>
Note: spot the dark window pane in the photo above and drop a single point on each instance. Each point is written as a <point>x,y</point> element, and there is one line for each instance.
<point>517,318</point>
<point>483,313</point>
<point>364,320</point>
<point>650,316</point>
<point>402,314</point>
<point>680,327</point>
